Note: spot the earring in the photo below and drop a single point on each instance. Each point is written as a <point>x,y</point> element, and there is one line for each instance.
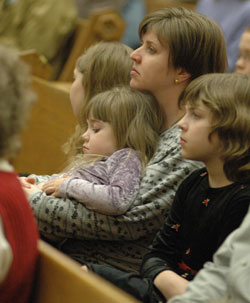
<point>176,81</point>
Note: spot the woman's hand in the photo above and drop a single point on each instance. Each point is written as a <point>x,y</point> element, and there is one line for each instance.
<point>29,190</point>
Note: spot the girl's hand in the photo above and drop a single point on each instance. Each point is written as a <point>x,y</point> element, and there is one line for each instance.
<point>26,181</point>
<point>52,187</point>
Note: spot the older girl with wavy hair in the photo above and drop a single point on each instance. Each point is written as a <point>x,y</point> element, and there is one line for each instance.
<point>101,67</point>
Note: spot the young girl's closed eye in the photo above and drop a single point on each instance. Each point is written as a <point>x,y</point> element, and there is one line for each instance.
<point>121,137</point>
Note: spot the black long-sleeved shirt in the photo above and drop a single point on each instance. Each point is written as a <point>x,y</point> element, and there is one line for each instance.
<point>200,219</point>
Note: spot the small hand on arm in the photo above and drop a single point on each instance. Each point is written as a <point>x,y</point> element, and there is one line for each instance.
<point>28,185</point>
<point>170,284</point>
<point>52,187</point>
<point>26,181</point>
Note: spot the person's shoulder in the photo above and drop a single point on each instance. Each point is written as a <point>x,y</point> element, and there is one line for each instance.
<point>243,189</point>
<point>196,175</point>
<point>193,181</point>
<point>126,159</point>
<point>123,154</point>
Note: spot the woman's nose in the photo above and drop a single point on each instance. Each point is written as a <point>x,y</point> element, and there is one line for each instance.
<point>135,55</point>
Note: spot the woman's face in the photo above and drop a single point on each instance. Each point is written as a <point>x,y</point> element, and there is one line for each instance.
<point>77,93</point>
<point>151,71</point>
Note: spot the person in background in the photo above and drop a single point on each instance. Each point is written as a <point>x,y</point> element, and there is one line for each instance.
<point>132,12</point>
<point>45,26</point>
<point>18,230</point>
<point>243,62</point>
<point>123,130</point>
<point>233,17</point>
<point>211,202</point>
<point>178,45</point>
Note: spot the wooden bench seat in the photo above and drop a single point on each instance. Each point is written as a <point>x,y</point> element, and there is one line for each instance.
<point>61,280</point>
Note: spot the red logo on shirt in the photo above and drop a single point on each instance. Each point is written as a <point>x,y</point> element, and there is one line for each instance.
<point>206,201</point>
<point>176,226</point>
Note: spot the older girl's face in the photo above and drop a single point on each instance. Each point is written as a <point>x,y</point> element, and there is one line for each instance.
<point>195,130</point>
<point>243,62</point>
<point>77,93</point>
<point>151,71</point>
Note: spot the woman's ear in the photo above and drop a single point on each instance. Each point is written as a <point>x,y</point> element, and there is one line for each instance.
<point>182,75</point>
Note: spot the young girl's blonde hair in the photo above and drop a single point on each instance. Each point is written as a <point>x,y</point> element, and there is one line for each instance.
<point>228,98</point>
<point>134,117</point>
<point>103,65</point>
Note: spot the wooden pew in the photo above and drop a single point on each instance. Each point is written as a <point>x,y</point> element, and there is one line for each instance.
<point>61,280</point>
<point>38,64</point>
<point>106,25</point>
<point>153,5</point>
<point>51,124</point>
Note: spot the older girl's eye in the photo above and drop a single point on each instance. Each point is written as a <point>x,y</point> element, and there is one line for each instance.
<point>195,115</point>
<point>95,130</point>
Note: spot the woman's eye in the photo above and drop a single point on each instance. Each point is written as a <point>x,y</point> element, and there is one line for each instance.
<point>95,130</point>
<point>151,50</point>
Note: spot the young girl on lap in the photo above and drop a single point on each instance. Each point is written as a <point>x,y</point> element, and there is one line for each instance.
<point>123,129</point>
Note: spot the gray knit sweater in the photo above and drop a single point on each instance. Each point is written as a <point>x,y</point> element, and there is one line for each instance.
<point>120,240</point>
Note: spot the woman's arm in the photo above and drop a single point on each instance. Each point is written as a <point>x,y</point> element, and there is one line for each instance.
<point>166,249</point>
<point>162,263</point>
<point>121,174</point>
<point>68,218</point>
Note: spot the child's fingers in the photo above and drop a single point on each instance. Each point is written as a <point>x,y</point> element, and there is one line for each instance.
<point>30,180</point>
<point>24,183</point>
<point>48,188</point>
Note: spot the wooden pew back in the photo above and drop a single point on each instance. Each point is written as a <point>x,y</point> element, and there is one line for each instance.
<point>106,25</point>
<point>61,280</point>
<point>38,64</point>
<point>51,124</point>
<point>153,5</point>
